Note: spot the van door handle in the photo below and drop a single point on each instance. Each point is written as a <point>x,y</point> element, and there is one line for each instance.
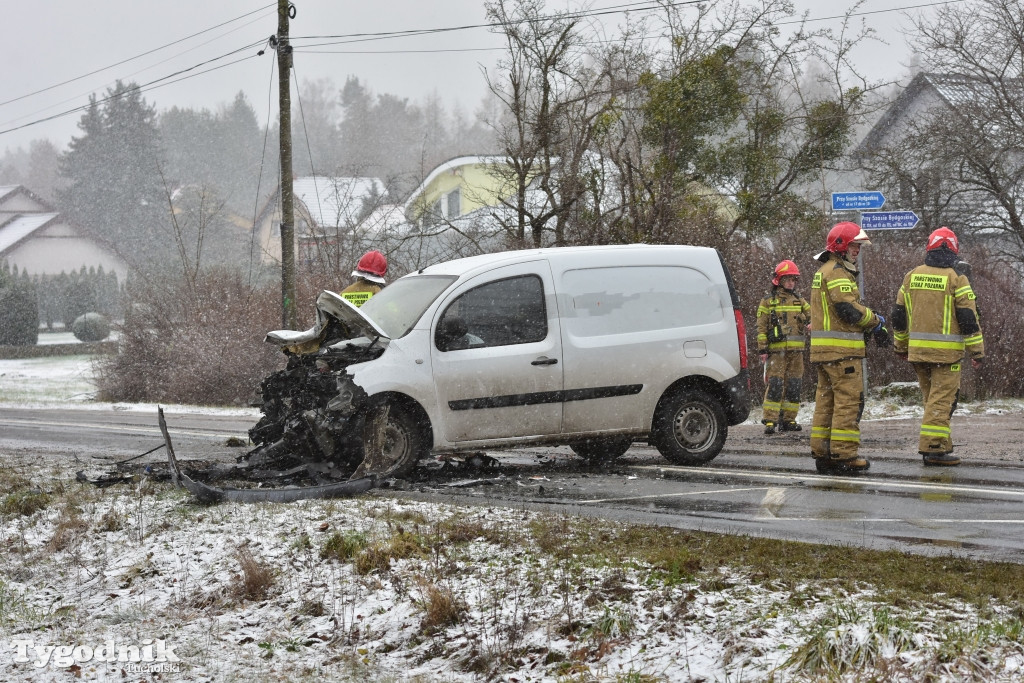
<point>544,361</point>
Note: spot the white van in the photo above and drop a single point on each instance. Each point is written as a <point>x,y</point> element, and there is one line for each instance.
<point>594,347</point>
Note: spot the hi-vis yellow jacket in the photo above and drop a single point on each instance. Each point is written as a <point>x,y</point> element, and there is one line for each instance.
<point>936,317</point>
<point>838,318</point>
<point>360,291</point>
<point>793,313</point>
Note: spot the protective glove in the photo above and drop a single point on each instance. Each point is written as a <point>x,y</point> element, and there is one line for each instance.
<point>976,362</point>
<point>880,325</point>
<point>764,358</point>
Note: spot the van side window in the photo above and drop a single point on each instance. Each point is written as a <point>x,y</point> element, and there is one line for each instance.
<point>616,299</point>
<point>499,313</point>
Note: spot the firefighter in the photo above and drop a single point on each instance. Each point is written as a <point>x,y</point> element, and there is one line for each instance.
<point>369,274</point>
<point>840,324</point>
<point>935,321</point>
<point>782,317</point>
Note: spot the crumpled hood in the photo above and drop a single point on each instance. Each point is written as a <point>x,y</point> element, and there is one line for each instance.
<point>334,305</point>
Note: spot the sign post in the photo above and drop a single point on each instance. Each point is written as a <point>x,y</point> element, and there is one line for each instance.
<point>888,220</point>
<point>857,201</point>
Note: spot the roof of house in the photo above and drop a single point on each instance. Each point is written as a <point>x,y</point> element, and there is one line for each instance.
<point>954,90</point>
<point>335,202</point>
<point>446,166</point>
<point>21,226</point>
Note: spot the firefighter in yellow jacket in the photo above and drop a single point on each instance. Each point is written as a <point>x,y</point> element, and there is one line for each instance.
<point>935,322</point>
<point>369,275</point>
<point>840,324</point>
<point>782,318</point>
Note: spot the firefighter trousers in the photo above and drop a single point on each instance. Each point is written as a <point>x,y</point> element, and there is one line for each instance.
<point>839,403</point>
<point>783,375</point>
<point>940,388</point>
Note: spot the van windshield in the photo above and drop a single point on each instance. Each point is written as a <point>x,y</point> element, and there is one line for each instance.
<point>397,307</point>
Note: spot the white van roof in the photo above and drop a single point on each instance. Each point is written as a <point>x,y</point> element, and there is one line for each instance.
<point>463,266</point>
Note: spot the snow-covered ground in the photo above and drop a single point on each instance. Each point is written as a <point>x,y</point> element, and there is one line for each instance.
<point>384,589</point>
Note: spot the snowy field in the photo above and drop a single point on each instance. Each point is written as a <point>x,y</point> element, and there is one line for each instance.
<point>137,582</point>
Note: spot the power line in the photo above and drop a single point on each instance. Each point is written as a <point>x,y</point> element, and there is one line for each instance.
<point>146,87</point>
<point>138,56</point>
<point>366,37</point>
<point>874,11</point>
<point>614,9</point>
<point>645,6</point>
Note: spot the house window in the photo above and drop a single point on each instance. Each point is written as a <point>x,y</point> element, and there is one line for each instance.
<point>454,204</point>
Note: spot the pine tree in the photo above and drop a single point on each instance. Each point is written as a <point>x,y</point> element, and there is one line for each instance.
<point>114,189</point>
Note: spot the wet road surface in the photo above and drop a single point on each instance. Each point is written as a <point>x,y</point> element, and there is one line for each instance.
<point>757,486</point>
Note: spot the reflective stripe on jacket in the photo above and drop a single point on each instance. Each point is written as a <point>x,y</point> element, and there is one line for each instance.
<point>931,296</point>
<point>832,337</point>
<point>793,312</point>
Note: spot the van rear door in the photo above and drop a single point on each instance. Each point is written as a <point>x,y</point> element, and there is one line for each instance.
<point>496,355</point>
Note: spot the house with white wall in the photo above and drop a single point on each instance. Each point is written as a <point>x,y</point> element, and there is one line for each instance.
<point>38,240</point>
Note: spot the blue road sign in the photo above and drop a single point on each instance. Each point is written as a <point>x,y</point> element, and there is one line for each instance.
<point>888,220</point>
<point>856,201</point>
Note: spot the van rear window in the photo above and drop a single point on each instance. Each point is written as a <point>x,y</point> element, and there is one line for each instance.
<point>622,299</point>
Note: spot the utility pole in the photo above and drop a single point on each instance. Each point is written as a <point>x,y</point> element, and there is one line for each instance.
<point>284,70</point>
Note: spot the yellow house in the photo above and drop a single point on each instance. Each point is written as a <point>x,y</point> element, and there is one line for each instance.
<point>457,187</point>
<point>465,184</point>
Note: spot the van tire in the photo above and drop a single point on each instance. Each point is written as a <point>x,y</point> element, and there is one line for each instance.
<point>404,441</point>
<point>689,427</point>
<point>601,449</point>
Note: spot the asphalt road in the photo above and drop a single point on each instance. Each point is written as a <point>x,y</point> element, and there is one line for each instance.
<point>763,486</point>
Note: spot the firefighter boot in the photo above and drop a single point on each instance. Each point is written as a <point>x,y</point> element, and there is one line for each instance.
<point>790,426</point>
<point>769,428</point>
<point>946,459</point>
<point>841,466</point>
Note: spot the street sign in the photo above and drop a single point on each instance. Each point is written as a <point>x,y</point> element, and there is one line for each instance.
<point>857,201</point>
<point>888,220</point>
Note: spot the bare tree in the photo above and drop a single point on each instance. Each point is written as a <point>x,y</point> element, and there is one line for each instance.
<point>552,96</point>
<point>961,161</point>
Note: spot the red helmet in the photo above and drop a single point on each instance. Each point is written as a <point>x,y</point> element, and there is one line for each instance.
<point>842,235</point>
<point>944,237</point>
<point>372,266</point>
<point>784,268</point>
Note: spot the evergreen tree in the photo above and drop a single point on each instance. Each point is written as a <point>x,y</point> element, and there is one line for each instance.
<point>19,312</point>
<point>114,189</point>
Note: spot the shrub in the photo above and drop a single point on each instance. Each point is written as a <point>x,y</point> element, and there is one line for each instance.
<point>90,327</point>
<point>19,314</point>
<point>194,341</point>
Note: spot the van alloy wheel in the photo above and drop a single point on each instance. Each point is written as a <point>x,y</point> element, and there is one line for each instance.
<point>690,427</point>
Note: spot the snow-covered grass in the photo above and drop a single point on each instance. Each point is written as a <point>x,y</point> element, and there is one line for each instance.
<point>390,590</point>
<point>55,379</point>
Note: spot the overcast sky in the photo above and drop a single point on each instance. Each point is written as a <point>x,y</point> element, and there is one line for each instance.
<point>55,53</point>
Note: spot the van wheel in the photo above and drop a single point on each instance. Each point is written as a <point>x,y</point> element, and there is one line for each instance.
<point>689,427</point>
<point>404,443</point>
<point>601,449</point>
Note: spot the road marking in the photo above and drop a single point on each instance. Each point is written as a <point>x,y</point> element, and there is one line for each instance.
<point>772,502</point>
<point>848,481</point>
<point>909,520</point>
<point>672,495</point>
